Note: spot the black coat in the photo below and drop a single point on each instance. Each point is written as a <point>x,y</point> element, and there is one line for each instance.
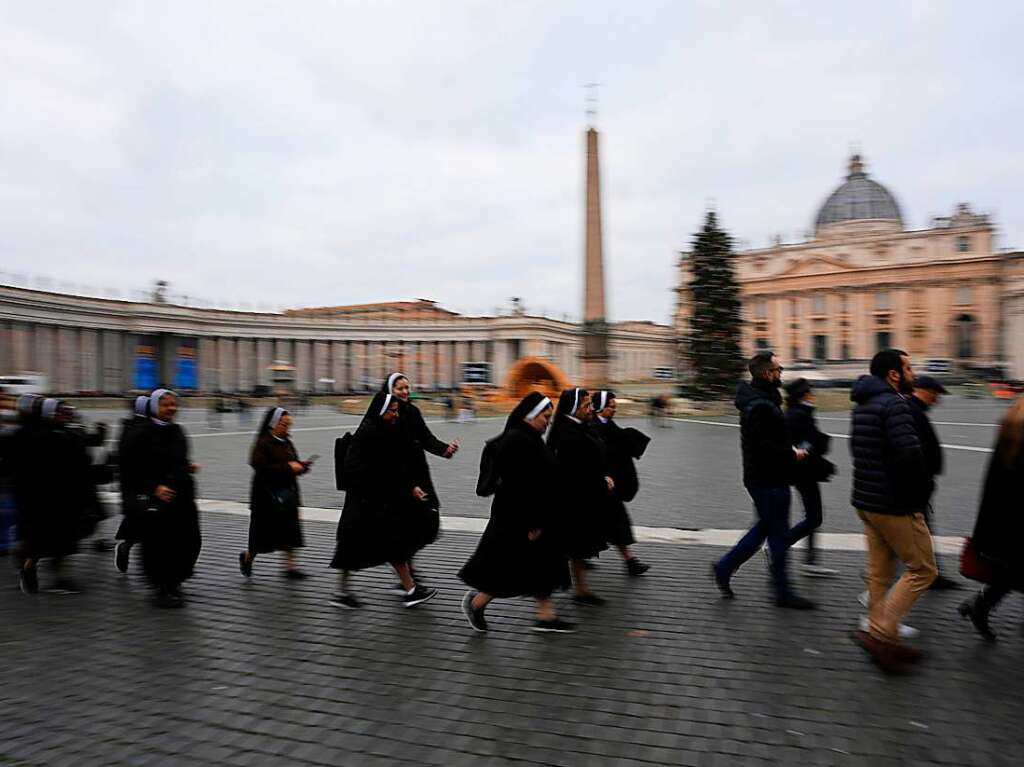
<point>274,498</point>
<point>506,562</point>
<point>804,431</point>
<point>381,522</point>
<point>422,440</point>
<point>888,463</point>
<point>581,488</point>
<point>127,459</point>
<point>170,535</point>
<point>930,447</point>
<point>768,457</point>
<point>999,530</point>
<point>621,447</point>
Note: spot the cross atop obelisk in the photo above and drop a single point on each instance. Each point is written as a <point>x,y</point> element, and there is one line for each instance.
<point>595,325</point>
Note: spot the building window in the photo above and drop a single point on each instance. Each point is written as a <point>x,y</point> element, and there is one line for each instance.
<point>964,336</point>
<point>844,304</point>
<point>818,304</point>
<point>792,307</point>
<point>821,348</point>
<point>963,295</point>
<point>761,309</point>
<point>963,244</point>
<point>845,351</point>
<point>882,300</point>
<point>883,340</point>
<point>762,344</point>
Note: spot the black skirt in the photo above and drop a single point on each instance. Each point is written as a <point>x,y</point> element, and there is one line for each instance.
<point>372,533</point>
<point>274,521</point>
<point>507,563</point>
<point>618,525</point>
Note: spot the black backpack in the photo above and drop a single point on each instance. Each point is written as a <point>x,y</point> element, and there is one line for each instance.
<point>488,481</point>
<point>341,445</point>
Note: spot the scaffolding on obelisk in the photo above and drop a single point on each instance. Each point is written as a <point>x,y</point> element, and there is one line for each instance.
<point>595,325</point>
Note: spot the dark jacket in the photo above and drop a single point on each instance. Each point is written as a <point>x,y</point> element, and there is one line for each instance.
<point>930,446</point>
<point>888,463</point>
<point>804,432</point>
<point>999,529</point>
<point>768,457</point>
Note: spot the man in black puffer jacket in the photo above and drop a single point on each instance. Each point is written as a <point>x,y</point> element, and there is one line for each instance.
<point>888,474</point>
<point>769,461</point>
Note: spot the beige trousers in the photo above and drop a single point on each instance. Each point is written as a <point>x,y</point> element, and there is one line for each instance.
<point>891,539</point>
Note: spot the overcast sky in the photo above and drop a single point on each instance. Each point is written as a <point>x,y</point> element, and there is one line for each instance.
<point>304,153</point>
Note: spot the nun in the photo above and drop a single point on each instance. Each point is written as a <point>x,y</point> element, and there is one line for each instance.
<point>388,515</point>
<point>55,470</point>
<point>518,553</point>
<point>131,501</point>
<point>622,447</point>
<point>583,488</point>
<point>416,431</point>
<point>274,495</point>
<point>170,534</point>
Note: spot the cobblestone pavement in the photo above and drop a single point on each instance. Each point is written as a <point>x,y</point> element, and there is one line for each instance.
<point>268,673</point>
<point>690,476</point>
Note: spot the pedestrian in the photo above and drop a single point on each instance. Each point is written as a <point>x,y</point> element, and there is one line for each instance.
<point>54,513</point>
<point>8,429</point>
<point>999,529</point>
<point>888,472</point>
<point>815,468</point>
<point>622,447</point>
<point>387,516</point>
<point>927,392</point>
<point>274,494</point>
<point>170,535</point>
<point>518,553</point>
<point>133,503</point>
<point>583,487</point>
<point>419,436</point>
<point>769,465</point>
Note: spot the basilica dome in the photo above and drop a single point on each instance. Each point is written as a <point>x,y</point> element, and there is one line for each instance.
<point>859,198</point>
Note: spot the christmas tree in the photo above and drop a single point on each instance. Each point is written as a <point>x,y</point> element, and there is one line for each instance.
<point>713,345</point>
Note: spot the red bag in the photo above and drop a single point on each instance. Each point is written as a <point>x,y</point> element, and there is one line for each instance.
<point>973,566</point>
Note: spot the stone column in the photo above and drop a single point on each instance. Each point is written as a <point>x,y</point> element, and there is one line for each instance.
<point>283,351</point>
<point>245,351</point>
<point>303,367</point>
<point>339,365</point>
<point>112,357</point>
<point>264,359</point>
<point>21,347</point>
<point>428,364</point>
<point>499,364</point>
<point>45,348</point>
<point>88,361</point>
<point>209,368</point>
<point>6,347</point>
<point>321,362</point>
<point>227,380</point>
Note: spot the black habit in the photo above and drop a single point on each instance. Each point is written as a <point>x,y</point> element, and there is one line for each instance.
<point>274,496</point>
<point>999,530</point>
<point>621,447</point>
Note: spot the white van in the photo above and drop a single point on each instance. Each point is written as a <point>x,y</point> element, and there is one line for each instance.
<point>23,383</point>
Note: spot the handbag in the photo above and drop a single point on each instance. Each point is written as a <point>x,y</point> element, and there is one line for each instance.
<point>972,565</point>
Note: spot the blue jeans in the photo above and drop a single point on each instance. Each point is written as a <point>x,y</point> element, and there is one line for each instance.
<point>771,504</point>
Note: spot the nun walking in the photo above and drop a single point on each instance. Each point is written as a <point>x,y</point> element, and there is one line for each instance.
<point>52,509</point>
<point>416,431</point>
<point>132,503</point>
<point>518,553</point>
<point>274,495</point>
<point>170,534</point>
<point>388,515</point>
<point>622,447</point>
<point>584,486</point>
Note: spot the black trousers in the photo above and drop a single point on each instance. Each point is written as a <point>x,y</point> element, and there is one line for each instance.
<point>810,496</point>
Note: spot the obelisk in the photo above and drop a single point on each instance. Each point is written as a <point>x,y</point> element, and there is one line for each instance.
<point>595,326</point>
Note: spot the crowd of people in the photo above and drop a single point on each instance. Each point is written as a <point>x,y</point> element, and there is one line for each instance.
<point>560,476</point>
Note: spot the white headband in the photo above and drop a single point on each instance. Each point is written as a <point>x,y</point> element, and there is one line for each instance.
<point>156,396</point>
<point>602,400</point>
<point>575,401</point>
<point>275,419</point>
<point>391,381</point>
<point>384,407</point>
<point>140,404</point>
<point>543,405</point>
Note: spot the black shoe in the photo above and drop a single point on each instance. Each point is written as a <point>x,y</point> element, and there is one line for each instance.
<point>103,544</point>
<point>121,551</point>
<point>245,564</point>
<point>419,595</point>
<point>475,617</point>
<point>554,626</point>
<point>28,579</point>
<point>635,567</point>
<point>593,600</point>
<point>969,609</point>
<point>722,583</point>
<point>295,575</point>
<point>942,583</point>
<point>794,602</point>
<point>348,601</point>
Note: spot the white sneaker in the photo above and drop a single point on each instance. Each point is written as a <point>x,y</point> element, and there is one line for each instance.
<point>905,631</point>
<point>864,598</point>
<point>817,571</point>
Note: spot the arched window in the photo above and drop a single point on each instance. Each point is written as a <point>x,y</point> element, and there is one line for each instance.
<point>963,336</point>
